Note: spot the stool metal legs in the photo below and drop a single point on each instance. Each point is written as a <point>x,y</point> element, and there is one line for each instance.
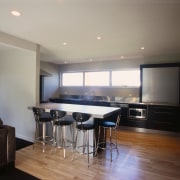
<point>86,145</point>
<point>41,136</point>
<point>62,140</point>
<point>44,136</point>
<point>102,145</point>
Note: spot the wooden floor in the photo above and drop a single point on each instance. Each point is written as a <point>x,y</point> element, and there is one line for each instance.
<point>142,156</point>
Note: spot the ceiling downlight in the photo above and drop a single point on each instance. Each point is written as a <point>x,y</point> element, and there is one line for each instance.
<point>15,13</point>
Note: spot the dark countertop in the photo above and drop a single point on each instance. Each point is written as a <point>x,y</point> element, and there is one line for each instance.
<point>110,102</point>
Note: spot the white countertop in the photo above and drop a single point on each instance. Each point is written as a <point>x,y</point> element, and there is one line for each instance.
<point>95,111</point>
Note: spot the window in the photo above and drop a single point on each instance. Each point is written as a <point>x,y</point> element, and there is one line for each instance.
<point>97,78</point>
<point>123,78</point>
<point>126,78</point>
<point>72,79</point>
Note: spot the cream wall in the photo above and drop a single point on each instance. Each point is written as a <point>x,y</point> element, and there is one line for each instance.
<point>19,68</point>
<point>101,91</point>
<point>51,80</point>
<point>110,65</point>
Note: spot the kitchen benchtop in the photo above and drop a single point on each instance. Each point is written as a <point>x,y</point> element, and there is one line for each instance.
<point>113,102</point>
<point>146,103</point>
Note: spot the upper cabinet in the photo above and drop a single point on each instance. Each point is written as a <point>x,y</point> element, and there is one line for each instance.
<point>160,83</point>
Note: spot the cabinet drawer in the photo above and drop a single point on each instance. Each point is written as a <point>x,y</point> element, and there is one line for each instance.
<point>163,118</point>
<point>165,113</point>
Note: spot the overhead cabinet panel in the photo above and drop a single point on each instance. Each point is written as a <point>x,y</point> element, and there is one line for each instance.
<point>160,85</point>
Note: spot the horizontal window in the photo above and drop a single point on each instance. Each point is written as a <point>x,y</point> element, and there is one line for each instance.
<point>126,78</point>
<point>72,79</point>
<point>97,78</point>
<point>123,78</point>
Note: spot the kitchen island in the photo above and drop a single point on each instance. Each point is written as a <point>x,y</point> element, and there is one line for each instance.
<point>97,112</point>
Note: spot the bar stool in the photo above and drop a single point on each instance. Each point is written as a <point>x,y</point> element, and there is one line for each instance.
<point>111,126</point>
<point>43,121</point>
<point>85,127</point>
<point>61,121</point>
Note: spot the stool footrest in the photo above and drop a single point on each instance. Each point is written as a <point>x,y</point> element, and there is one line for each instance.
<point>105,147</point>
<point>85,147</point>
<point>47,138</point>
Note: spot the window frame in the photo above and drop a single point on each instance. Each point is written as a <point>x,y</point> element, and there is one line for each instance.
<point>110,85</point>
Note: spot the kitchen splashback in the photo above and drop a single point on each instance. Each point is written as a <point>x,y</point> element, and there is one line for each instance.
<point>127,99</point>
<point>102,98</point>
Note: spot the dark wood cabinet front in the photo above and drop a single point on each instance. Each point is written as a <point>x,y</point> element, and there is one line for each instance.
<point>124,115</point>
<point>163,118</point>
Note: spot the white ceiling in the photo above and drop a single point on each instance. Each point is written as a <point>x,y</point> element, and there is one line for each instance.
<point>124,25</point>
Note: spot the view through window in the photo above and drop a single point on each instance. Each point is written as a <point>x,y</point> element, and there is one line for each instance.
<point>72,79</point>
<point>111,78</point>
<point>97,78</point>
<point>126,78</point>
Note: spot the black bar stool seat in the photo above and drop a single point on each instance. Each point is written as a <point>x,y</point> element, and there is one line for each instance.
<point>107,124</point>
<point>110,125</point>
<point>44,126</point>
<point>84,126</point>
<point>62,121</point>
<point>45,117</point>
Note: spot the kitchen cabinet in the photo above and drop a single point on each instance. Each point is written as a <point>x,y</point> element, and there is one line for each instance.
<point>137,115</point>
<point>134,122</point>
<point>124,111</point>
<point>155,116</point>
<point>134,115</point>
<point>160,83</point>
<point>161,117</point>
<point>124,115</point>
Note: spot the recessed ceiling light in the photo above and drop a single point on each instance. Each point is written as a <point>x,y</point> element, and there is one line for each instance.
<point>15,13</point>
<point>99,37</point>
<point>64,43</point>
<point>142,48</point>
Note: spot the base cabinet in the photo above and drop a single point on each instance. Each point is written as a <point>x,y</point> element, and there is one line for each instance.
<point>140,123</point>
<point>164,118</point>
<point>131,122</point>
<point>124,115</point>
<point>159,117</point>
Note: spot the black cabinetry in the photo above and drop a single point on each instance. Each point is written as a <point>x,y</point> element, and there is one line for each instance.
<point>80,101</point>
<point>158,117</point>
<point>164,117</point>
<point>134,122</point>
<point>134,116</point>
<point>140,115</point>
<point>124,115</point>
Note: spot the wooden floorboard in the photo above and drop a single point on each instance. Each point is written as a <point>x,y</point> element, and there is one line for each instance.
<point>141,156</point>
